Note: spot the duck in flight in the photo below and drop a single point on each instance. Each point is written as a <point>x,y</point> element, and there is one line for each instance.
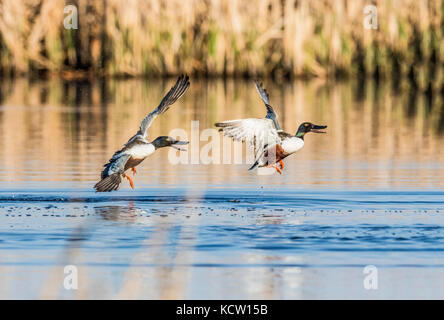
<point>138,147</point>
<point>271,143</point>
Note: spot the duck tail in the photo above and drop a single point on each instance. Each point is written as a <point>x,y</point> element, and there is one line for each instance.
<point>109,183</point>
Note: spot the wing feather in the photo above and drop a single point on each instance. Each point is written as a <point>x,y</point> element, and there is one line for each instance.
<point>256,132</point>
<point>110,183</point>
<point>116,164</point>
<point>111,176</point>
<point>182,84</point>
<point>266,99</point>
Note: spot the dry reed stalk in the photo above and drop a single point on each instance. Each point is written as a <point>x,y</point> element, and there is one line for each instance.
<point>214,37</point>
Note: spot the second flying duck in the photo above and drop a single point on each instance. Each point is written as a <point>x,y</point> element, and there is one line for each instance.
<point>271,143</point>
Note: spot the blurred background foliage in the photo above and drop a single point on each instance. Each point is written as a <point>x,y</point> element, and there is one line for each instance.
<point>279,38</point>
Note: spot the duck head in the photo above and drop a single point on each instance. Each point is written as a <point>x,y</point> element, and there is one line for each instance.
<point>309,127</point>
<point>164,141</point>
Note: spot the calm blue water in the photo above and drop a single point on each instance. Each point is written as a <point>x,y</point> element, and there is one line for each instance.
<point>217,244</point>
<point>370,192</point>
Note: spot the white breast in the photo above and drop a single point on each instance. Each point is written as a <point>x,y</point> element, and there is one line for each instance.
<point>141,151</point>
<point>293,144</point>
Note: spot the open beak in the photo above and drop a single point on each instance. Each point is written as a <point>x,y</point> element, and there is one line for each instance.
<point>318,129</point>
<point>179,143</point>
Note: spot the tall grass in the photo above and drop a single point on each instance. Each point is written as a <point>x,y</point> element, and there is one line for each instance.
<point>235,37</point>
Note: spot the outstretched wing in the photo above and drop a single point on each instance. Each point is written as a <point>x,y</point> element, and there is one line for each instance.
<point>257,132</point>
<point>270,112</point>
<point>182,84</point>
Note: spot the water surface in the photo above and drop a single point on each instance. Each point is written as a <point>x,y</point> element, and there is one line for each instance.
<point>369,192</point>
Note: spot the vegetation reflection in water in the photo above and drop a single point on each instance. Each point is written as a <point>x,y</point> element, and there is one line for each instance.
<point>59,133</point>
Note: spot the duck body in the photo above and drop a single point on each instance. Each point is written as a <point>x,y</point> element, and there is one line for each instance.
<point>141,150</point>
<point>138,148</point>
<point>133,154</point>
<point>278,152</point>
<point>271,144</point>
<point>292,144</point>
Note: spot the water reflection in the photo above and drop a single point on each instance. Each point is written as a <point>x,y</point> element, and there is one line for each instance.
<point>117,213</point>
<point>192,243</point>
<point>57,133</point>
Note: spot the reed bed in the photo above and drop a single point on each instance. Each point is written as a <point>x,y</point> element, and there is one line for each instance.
<point>282,38</point>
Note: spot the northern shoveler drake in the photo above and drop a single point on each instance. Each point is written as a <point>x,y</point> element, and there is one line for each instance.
<point>138,147</point>
<point>271,143</point>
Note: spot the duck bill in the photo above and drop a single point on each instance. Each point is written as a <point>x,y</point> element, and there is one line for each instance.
<point>318,129</point>
<point>180,143</point>
<point>177,143</point>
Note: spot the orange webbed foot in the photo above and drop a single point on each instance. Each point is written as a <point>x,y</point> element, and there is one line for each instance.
<point>130,180</point>
<point>133,169</point>
<point>274,166</point>
<point>281,163</point>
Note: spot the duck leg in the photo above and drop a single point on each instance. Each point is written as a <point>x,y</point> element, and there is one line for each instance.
<point>274,166</point>
<point>133,169</point>
<point>129,179</point>
<point>281,163</point>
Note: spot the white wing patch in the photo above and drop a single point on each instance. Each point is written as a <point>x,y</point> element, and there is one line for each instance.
<point>256,132</point>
